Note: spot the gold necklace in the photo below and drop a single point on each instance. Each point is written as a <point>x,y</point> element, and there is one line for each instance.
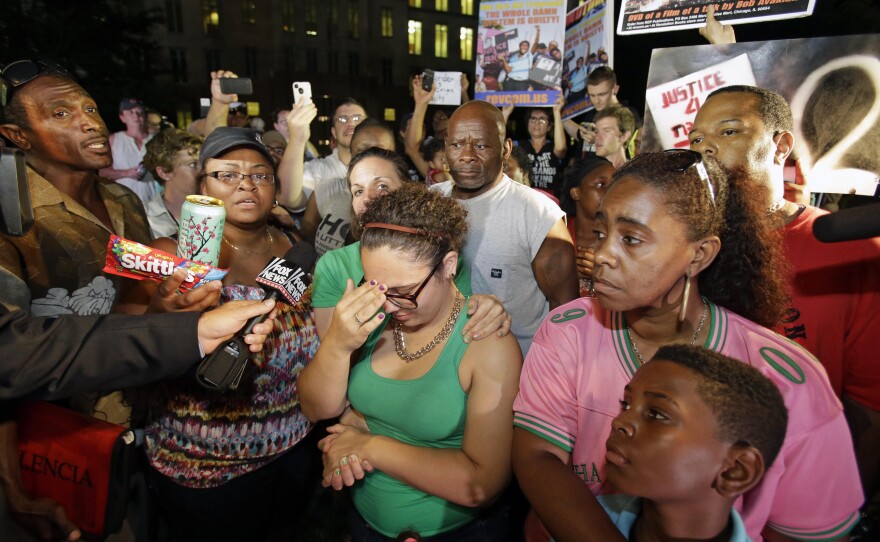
<point>693,340</point>
<point>400,341</point>
<point>247,251</point>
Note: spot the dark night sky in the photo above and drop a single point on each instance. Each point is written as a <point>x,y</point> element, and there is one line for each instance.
<point>632,54</point>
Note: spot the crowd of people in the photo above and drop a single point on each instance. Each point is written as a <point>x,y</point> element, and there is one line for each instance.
<point>558,337</point>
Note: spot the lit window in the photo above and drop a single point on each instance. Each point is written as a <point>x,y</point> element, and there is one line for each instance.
<point>441,41</point>
<point>287,16</point>
<point>466,43</point>
<point>210,17</point>
<point>311,17</point>
<point>441,5</point>
<point>414,31</point>
<point>467,7</point>
<point>249,11</point>
<point>387,23</point>
<point>415,3</point>
<point>390,114</point>
<point>184,117</point>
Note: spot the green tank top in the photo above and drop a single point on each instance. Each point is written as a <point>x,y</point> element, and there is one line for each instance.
<point>429,411</point>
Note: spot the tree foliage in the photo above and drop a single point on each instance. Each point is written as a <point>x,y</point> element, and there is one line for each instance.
<point>106,44</point>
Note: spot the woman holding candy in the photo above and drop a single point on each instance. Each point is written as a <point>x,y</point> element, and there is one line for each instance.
<point>238,466</point>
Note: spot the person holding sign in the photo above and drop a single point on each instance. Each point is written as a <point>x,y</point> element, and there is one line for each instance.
<point>545,155</point>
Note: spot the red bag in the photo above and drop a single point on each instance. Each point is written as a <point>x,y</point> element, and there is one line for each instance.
<point>81,462</point>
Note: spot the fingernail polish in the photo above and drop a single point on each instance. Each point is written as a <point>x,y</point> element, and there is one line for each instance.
<point>372,282</point>
<point>467,339</point>
<point>381,287</point>
<point>381,316</point>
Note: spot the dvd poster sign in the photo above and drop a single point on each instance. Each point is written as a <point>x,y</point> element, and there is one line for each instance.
<point>520,49</point>
<point>644,16</point>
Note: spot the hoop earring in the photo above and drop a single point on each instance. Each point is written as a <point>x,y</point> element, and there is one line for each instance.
<point>275,204</point>
<point>684,298</point>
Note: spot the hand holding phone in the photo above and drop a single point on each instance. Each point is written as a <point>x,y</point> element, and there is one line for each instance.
<point>236,85</point>
<point>302,92</point>
<point>427,80</point>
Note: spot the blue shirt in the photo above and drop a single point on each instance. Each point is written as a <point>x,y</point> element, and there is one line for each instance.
<point>521,63</point>
<point>578,79</point>
<point>625,509</point>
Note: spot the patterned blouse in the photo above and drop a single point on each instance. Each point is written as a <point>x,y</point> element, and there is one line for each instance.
<point>204,439</point>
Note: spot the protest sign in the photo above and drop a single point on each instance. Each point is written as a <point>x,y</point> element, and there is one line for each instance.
<point>674,105</point>
<point>448,91</point>
<point>643,16</point>
<point>519,52</point>
<point>833,85</point>
<point>589,43</point>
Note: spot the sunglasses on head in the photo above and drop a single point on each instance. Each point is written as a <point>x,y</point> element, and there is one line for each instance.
<point>681,160</point>
<point>22,72</point>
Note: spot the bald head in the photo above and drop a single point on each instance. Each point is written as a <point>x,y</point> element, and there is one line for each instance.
<point>485,112</point>
<point>476,147</point>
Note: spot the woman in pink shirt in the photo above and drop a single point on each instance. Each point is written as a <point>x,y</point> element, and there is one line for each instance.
<point>684,255</point>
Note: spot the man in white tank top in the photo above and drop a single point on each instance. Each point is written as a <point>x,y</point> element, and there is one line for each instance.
<point>129,148</point>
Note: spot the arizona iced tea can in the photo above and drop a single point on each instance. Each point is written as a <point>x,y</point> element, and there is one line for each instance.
<point>201,229</point>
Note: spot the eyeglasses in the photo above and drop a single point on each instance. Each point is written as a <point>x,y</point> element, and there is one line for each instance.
<point>409,301</point>
<point>21,72</point>
<point>539,120</point>
<point>682,160</point>
<point>234,178</point>
<point>344,119</point>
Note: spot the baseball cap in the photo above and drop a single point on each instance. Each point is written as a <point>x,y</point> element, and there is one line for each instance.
<point>273,138</point>
<point>238,106</point>
<point>129,103</point>
<point>226,138</point>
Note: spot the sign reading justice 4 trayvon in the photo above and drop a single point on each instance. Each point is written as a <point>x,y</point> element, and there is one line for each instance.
<point>520,48</point>
<point>643,16</point>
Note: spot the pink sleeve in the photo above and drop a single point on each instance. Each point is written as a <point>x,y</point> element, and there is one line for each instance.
<point>817,494</point>
<point>547,400</point>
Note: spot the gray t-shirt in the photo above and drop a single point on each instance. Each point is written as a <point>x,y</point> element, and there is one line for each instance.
<point>333,198</point>
<point>508,225</point>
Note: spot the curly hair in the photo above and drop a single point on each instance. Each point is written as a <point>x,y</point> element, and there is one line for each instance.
<point>162,149</point>
<point>415,206</point>
<point>748,274</point>
<point>748,407</point>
